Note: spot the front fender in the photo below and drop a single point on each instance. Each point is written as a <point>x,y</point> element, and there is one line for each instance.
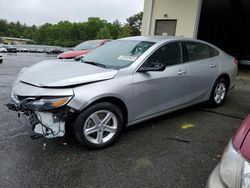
<point>121,89</point>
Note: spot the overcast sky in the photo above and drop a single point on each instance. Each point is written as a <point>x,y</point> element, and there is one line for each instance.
<point>52,11</point>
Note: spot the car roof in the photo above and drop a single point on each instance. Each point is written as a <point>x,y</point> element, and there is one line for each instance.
<point>164,38</point>
<point>156,38</point>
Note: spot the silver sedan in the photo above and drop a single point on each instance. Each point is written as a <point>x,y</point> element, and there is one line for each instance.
<point>122,83</point>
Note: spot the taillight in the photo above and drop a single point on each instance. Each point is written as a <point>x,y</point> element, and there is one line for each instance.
<point>235,61</point>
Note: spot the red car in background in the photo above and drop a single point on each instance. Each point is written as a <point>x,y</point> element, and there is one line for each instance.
<point>82,49</point>
<point>234,168</point>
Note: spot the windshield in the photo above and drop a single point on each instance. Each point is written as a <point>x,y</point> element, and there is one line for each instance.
<point>88,45</point>
<point>118,54</point>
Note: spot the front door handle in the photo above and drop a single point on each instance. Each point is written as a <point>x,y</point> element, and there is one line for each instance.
<point>212,65</point>
<point>181,72</point>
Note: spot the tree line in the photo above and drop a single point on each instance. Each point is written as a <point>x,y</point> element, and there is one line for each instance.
<point>69,34</point>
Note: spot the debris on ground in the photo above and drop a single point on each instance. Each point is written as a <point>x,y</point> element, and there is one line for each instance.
<point>44,145</point>
<point>187,126</point>
<point>179,139</point>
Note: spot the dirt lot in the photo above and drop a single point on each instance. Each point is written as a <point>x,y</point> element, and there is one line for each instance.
<point>143,157</point>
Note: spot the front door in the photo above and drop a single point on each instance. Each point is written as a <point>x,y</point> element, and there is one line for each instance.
<point>158,91</point>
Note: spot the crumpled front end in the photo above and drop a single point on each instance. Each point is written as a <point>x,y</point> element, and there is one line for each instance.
<point>47,124</point>
<point>46,108</point>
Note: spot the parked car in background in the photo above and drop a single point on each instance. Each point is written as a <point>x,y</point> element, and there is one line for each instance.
<point>23,50</point>
<point>82,49</point>
<point>41,50</point>
<point>3,50</point>
<point>55,51</point>
<point>10,49</point>
<point>1,58</point>
<point>122,83</point>
<point>234,168</point>
<point>244,60</point>
<point>78,58</point>
<point>33,50</point>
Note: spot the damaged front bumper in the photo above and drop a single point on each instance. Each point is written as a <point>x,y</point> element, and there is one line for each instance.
<point>49,124</point>
<point>48,114</point>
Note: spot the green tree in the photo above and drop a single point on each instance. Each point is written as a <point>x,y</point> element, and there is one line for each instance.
<point>3,27</point>
<point>104,33</point>
<point>125,31</point>
<point>93,26</point>
<point>66,33</point>
<point>135,23</point>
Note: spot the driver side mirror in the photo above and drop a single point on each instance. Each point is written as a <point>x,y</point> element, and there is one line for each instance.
<point>154,67</point>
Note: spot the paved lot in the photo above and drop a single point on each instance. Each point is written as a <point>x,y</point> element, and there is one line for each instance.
<point>143,157</point>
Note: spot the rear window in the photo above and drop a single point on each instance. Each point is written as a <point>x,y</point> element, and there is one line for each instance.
<point>88,45</point>
<point>199,51</point>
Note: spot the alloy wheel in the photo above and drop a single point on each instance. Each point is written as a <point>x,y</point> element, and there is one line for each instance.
<point>220,92</point>
<point>100,127</point>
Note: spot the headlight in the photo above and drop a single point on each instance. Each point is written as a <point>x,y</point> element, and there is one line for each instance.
<point>231,167</point>
<point>246,175</point>
<point>234,169</point>
<point>47,103</point>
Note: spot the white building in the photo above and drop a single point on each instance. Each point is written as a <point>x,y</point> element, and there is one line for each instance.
<point>225,23</point>
<point>171,17</point>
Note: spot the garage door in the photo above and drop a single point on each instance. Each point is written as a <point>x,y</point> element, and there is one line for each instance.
<point>165,27</point>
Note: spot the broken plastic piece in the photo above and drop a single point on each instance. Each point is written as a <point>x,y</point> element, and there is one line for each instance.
<point>36,136</point>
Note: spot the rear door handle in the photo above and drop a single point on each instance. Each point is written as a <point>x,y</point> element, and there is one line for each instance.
<point>181,72</point>
<point>212,65</point>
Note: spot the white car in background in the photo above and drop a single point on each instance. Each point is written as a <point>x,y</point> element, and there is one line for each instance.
<point>23,50</point>
<point>3,50</point>
<point>1,58</point>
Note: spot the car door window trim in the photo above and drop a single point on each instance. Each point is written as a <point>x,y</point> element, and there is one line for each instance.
<point>169,42</point>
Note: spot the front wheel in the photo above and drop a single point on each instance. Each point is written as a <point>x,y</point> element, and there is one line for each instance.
<point>219,92</point>
<point>99,125</point>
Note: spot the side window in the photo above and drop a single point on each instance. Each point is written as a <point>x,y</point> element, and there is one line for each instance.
<point>169,54</point>
<point>213,52</point>
<point>198,51</point>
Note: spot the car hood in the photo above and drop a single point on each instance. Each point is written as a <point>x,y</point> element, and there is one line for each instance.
<point>57,73</point>
<point>72,54</point>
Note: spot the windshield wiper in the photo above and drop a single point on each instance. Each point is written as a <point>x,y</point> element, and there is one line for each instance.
<point>94,63</point>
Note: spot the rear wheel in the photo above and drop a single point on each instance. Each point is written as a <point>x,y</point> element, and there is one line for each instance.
<point>219,92</point>
<point>99,125</point>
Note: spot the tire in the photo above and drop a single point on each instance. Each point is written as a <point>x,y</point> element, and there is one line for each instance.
<point>219,92</point>
<point>99,125</point>
<point>1,61</point>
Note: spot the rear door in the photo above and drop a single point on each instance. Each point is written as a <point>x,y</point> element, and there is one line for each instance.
<point>157,91</point>
<point>202,68</point>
